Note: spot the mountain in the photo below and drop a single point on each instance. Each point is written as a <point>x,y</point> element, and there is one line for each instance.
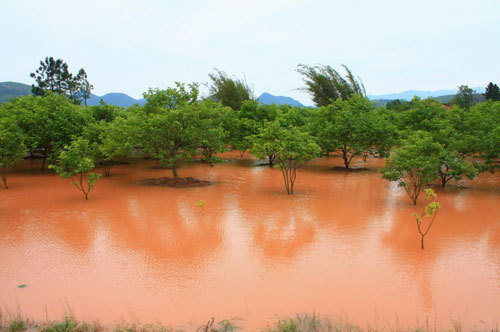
<point>115,98</point>
<point>409,94</point>
<point>268,99</point>
<point>12,89</point>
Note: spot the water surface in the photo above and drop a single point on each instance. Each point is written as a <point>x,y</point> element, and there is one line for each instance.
<point>346,243</point>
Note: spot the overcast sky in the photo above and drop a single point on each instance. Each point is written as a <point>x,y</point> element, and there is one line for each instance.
<point>130,46</point>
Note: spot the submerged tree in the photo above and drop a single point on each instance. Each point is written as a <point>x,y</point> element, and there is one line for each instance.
<point>429,213</point>
<point>414,164</point>
<point>232,92</point>
<point>292,149</point>
<point>354,127</point>
<point>12,147</point>
<point>76,163</point>
<point>325,84</point>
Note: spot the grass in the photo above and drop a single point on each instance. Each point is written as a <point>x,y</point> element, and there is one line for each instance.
<point>299,323</point>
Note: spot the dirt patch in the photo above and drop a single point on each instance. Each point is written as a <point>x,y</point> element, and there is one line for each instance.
<point>350,169</point>
<point>177,183</point>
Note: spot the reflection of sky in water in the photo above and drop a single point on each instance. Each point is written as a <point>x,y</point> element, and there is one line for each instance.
<point>459,199</point>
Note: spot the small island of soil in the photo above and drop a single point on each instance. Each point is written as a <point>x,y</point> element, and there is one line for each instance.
<point>177,183</point>
<point>350,169</point>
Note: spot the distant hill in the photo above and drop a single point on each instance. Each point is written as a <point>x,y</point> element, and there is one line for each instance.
<point>478,98</point>
<point>268,99</point>
<point>115,98</point>
<point>12,90</point>
<point>409,94</point>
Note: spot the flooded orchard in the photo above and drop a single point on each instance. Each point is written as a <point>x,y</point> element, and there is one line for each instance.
<point>346,243</point>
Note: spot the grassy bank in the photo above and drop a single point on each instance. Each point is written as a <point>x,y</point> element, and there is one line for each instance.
<point>300,323</point>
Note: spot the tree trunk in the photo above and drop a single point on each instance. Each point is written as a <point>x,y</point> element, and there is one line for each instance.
<point>174,172</point>
<point>422,242</point>
<point>344,156</point>
<point>43,162</point>
<point>4,179</point>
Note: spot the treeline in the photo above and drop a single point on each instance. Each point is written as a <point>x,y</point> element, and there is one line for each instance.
<point>422,144</point>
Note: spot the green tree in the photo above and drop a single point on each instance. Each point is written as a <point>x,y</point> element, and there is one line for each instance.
<point>212,136</point>
<point>414,164</point>
<point>430,213</point>
<point>231,92</point>
<point>293,147</point>
<point>464,97</point>
<point>171,98</point>
<point>248,121</point>
<point>12,147</point>
<point>354,127</point>
<point>170,136</point>
<point>75,162</point>
<point>325,84</point>
<point>83,85</point>
<point>492,92</point>
<point>398,105</point>
<point>48,123</point>
<point>53,75</point>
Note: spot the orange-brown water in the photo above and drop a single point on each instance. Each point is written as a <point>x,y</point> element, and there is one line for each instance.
<point>345,243</point>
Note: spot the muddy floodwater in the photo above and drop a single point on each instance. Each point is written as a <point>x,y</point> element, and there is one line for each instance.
<point>346,243</point>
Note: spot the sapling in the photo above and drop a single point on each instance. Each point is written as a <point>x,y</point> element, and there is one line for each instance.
<point>429,213</point>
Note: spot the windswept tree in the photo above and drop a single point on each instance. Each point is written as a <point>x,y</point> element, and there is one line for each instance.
<point>232,92</point>
<point>12,147</point>
<point>414,164</point>
<point>325,84</point>
<point>76,162</point>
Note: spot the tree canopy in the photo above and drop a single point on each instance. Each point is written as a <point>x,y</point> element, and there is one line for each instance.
<point>231,92</point>
<point>326,85</point>
<point>53,75</point>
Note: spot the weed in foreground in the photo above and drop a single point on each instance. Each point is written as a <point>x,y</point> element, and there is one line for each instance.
<point>17,324</point>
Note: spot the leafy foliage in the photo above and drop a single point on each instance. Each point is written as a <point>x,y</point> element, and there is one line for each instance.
<point>48,124</point>
<point>464,97</point>
<point>53,75</point>
<point>354,127</point>
<point>231,92</point>
<point>291,147</point>
<point>76,163</point>
<point>429,213</point>
<point>171,98</point>
<point>414,164</point>
<point>492,92</point>
<point>12,148</point>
